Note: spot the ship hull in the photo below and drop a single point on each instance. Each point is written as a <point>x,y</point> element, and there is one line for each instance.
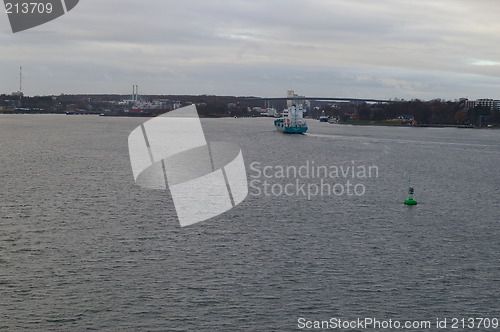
<point>278,124</point>
<point>292,130</point>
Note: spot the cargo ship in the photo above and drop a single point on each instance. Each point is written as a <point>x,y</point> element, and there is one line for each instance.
<point>292,122</point>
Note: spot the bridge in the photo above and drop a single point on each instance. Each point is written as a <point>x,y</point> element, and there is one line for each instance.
<point>322,99</point>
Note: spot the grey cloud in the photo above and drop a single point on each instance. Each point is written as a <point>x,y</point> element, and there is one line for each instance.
<point>405,48</point>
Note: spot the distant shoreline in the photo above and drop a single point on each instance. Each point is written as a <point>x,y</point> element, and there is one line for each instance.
<point>392,124</point>
<point>344,123</point>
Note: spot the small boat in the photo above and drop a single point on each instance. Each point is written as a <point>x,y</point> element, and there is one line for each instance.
<point>293,122</point>
<point>323,117</point>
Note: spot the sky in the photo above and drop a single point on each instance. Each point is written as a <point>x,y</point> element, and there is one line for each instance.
<point>382,49</point>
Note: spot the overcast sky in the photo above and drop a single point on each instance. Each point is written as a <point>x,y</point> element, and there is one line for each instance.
<point>329,48</point>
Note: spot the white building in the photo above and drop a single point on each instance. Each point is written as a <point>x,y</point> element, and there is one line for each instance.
<point>290,102</point>
<point>491,103</point>
<point>486,102</point>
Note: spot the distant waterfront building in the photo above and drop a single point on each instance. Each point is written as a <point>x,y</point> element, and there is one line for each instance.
<point>271,112</point>
<point>486,103</point>
<point>290,102</point>
<point>492,104</point>
<point>289,94</point>
<point>404,119</point>
<point>469,104</point>
<point>6,109</point>
<point>176,104</point>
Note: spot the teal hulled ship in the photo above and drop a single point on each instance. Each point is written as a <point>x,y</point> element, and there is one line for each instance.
<point>292,121</point>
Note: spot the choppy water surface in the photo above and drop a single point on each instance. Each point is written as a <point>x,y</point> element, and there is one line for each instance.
<point>81,247</point>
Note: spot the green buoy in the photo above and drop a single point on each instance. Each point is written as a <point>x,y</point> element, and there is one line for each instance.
<point>410,200</point>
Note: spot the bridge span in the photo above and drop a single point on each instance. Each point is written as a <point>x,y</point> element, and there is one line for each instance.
<point>368,100</point>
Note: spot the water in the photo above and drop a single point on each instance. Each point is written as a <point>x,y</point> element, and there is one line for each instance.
<point>81,247</point>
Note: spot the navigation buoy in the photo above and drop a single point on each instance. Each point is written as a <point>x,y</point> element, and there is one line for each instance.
<point>410,200</point>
